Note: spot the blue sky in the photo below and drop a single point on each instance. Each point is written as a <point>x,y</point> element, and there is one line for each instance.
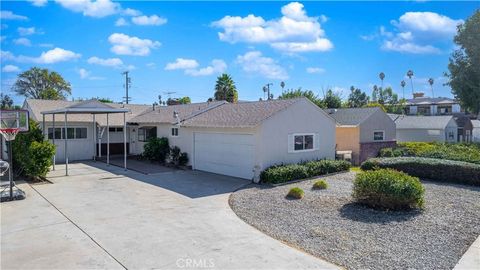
<point>183,46</point>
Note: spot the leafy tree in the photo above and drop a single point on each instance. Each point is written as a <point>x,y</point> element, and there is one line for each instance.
<point>225,89</point>
<point>185,100</point>
<point>332,100</point>
<point>104,100</point>
<point>464,64</point>
<point>357,98</point>
<point>384,96</point>
<point>375,104</point>
<point>40,83</point>
<point>6,102</point>
<point>303,93</point>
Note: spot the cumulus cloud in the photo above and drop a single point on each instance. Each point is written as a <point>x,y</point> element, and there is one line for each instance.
<point>38,3</point>
<point>121,22</point>
<point>10,68</point>
<point>98,9</point>
<point>190,67</point>
<point>108,62</point>
<point>254,62</point>
<point>149,20</point>
<point>49,57</point>
<point>126,45</point>
<point>83,73</point>
<point>182,63</point>
<point>312,70</point>
<point>131,12</point>
<point>8,15</point>
<point>22,41</point>
<point>26,31</point>
<point>294,32</point>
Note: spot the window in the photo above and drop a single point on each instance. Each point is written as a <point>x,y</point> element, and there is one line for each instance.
<point>174,132</point>
<point>146,133</point>
<point>303,142</point>
<point>58,133</point>
<point>80,133</point>
<point>378,135</point>
<point>72,133</point>
<point>115,129</point>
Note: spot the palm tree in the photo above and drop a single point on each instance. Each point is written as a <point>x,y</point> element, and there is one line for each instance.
<point>430,81</point>
<point>382,76</point>
<point>225,89</point>
<point>410,75</point>
<point>402,83</point>
<point>282,84</point>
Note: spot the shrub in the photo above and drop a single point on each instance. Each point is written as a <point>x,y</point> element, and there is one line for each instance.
<point>388,189</point>
<point>177,157</point>
<point>391,152</point>
<point>320,184</point>
<point>429,168</point>
<point>284,173</point>
<point>156,149</point>
<point>183,159</point>
<point>295,193</point>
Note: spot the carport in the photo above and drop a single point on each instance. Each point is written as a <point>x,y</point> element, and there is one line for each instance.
<point>92,107</point>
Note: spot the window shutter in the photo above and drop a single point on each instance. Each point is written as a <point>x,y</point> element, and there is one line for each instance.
<point>291,146</point>
<point>316,141</point>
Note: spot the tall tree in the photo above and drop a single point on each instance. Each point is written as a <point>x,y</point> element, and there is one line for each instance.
<point>332,100</point>
<point>384,96</point>
<point>357,98</point>
<point>464,64</point>
<point>6,102</point>
<point>225,89</point>
<point>302,93</point>
<point>40,83</point>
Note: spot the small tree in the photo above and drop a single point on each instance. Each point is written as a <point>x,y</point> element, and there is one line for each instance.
<point>185,100</point>
<point>332,100</point>
<point>303,93</point>
<point>40,83</point>
<point>6,102</point>
<point>225,89</point>
<point>357,98</point>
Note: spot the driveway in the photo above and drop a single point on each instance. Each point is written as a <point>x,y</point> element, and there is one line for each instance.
<point>104,217</point>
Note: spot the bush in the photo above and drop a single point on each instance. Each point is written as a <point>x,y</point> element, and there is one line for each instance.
<point>388,189</point>
<point>183,159</point>
<point>295,193</point>
<point>284,173</point>
<point>391,152</point>
<point>177,157</point>
<point>156,149</point>
<point>32,155</point>
<point>320,184</point>
<point>429,168</point>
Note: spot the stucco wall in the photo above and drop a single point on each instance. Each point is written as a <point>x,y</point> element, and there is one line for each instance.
<point>348,139</point>
<point>377,122</point>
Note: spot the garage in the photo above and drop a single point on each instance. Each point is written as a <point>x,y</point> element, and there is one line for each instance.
<point>225,153</point>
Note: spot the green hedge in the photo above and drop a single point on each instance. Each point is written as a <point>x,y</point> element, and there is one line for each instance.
<point>156,149</point>
<point>429,168</point>
<point>388,189</point>
<point>284,173</point>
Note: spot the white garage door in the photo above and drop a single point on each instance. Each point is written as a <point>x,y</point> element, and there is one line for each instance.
<point>223,153</point>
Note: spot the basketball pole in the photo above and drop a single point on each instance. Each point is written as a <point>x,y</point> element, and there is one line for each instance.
<point>10,173</point>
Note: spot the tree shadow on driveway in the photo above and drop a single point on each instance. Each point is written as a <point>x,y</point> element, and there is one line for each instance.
<point>358,212</point>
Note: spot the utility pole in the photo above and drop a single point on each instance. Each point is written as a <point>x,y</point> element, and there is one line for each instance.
<point>127,85</point>
<point>266,88</point>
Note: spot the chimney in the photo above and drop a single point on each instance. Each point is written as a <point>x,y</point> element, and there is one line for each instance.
<point>418,95</point>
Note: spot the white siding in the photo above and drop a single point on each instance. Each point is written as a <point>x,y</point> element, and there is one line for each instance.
<point>379,121</point>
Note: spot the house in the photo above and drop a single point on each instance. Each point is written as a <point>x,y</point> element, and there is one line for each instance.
<point>80,128</point>
<point>421,105</point>
<point>240,139</point>
<point>425,128</point>
<point>476,130</point>
<point>465,128</point>
<point>364,131</point>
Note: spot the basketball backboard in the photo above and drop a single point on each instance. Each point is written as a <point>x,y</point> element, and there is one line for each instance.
<point>14,119</point>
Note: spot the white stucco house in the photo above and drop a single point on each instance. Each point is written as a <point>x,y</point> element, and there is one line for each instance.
<point>476,130</point>
<point>241,139</point>
<point>425,128</point>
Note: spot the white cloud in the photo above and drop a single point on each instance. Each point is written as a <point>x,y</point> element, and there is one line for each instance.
<point>312,70</point>
<point>26,31</point>
<point>22,41</point>
<point>108,62</point>
<point>8,15</point>
<point>131,12</point>
<point>408,47</point>
<point>6,56</point>
<point>38,3</point>
<point>98,9</point>
<point>126,45</point>
<point>293,32</point>
<point>182,63</point>
<point>217,66</point>
<point>10,68</point>
<point>255,62</point>
<point>121,22</point>
<point>149,20</point>
<point>83,73</point>
<point>427,22</point>
<point>49,57</point>
<point>151,65</point>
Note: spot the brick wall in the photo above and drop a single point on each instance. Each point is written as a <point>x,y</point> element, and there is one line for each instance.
<point>371,149</point>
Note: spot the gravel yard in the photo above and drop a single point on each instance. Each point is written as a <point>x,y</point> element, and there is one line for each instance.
<point>327,224</point>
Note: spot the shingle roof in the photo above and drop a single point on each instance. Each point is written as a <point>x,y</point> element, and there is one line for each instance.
<point>244,114</point>
<point>422,122</point>
<point>39,105</point>
<point>429,100</point>
<point>351,116</point>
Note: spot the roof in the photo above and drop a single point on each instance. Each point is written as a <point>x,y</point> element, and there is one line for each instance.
<point>476,123</point>
<point>422,122</point>
<point>37,106</point>
<point>244,114</point>
<point>351,116</point>
<point>429,100</point>
<point>393,116</point>
<point>90,106</point>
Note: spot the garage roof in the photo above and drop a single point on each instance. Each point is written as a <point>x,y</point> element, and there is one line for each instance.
<point>422,122</point>
<point>351,116</point>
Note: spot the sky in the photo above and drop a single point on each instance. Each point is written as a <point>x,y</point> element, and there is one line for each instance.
<point>182,47</point>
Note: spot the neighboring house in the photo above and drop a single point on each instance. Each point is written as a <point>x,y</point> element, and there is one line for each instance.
<point>465,128</point>
<point>476,130</point>
<point>420,105</point>
<point>425,128</point>
<point>241,139</point>
<point>364,131</point>
<point>80,128</point>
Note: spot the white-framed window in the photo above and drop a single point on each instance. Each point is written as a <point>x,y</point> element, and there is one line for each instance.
<point>174,132</point>
<point>378,135</point>
<point>72,133</point>
<point>146,133</point>
<point>302,142</point>
<point>115,129</point>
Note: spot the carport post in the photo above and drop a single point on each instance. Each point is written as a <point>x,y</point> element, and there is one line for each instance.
<point>66,145</point>
<point>124,141</point>
<point>43,126</point>
<point>94,138</point>
<point>53,140</point>
<point>108,142</point>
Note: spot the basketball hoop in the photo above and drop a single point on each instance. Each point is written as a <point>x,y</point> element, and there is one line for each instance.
<point>9,133</point>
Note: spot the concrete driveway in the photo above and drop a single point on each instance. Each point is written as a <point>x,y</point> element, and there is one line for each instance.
<point>104,217</point>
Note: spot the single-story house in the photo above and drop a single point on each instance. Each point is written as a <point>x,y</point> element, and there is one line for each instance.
<point>425,128</point>
<point>364,131</point>
<point>240,139</point>
<point>80,128</point>
<point>465,128</point>
<point>476,130</point>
